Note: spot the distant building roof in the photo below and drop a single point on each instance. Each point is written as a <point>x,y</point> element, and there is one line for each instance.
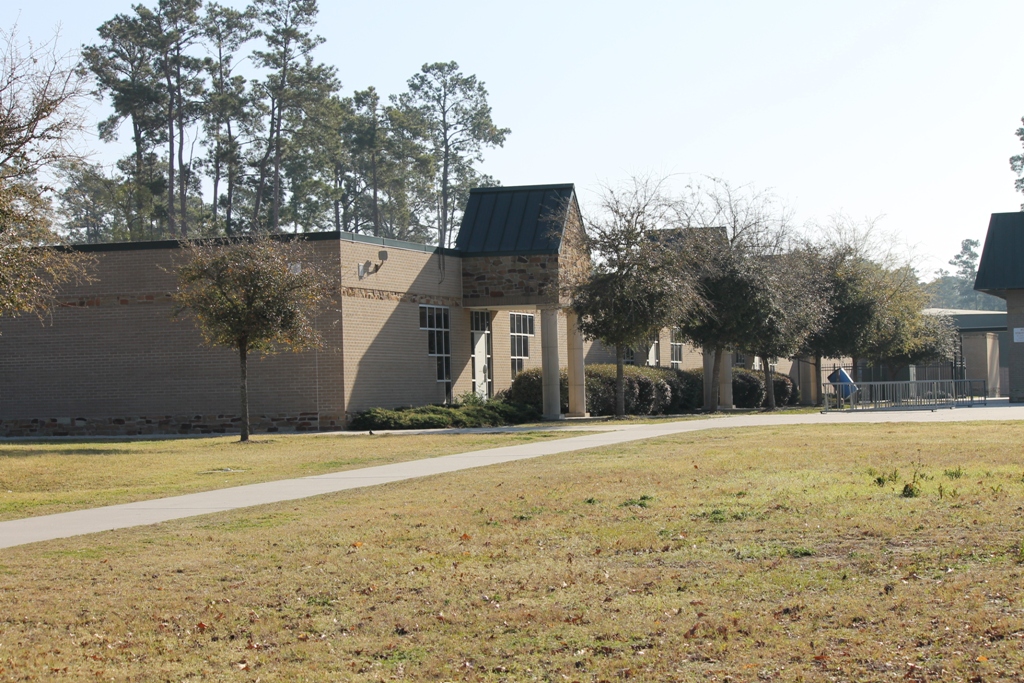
<point>1002,260</point>
<point>527,219</point>
<point>972,321</point>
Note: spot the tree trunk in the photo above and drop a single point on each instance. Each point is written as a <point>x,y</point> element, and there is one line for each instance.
<point>134,221</point>
<point>182,174</point>
<point>276,220</point>
<point>620,382</point>
<point>769,383</point>
<point>262,165</point>
<point>171,225</point>
<point>716,380</point>
<point>231,186</point>
<point>443,224</point>
<point>337,199</point>
<point>244,389</point>
<point>854,374</point>
<point>376,205</point>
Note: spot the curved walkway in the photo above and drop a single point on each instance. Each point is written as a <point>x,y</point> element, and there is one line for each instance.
<point>48,527</point>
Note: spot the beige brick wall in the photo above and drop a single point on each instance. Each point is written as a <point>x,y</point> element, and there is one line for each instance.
<point>121,354</point>
<point>1015,319</point>
<point>595,352</point>
<point>385,350</point>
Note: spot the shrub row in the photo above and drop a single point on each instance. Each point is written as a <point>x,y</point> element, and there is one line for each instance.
<point>652,391</point>
<point>749,390</point>
<point>470,413</point>
<point>647,391</point>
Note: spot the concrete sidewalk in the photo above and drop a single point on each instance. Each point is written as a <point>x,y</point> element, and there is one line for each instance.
<point>48,527</point>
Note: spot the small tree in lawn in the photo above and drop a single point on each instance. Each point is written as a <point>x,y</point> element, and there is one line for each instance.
<point>629,294</point>
<point>728,234</point>
<point>256,294</point>
<point>791,301</point>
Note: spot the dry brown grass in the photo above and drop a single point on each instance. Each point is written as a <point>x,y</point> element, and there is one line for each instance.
<point>747,555</point>
<point>55,476</point>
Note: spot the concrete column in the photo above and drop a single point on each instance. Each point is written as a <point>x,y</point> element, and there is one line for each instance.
<point>981,357</point>
<point>577,388</point>
<point>725,390</point>
<point>805,380</point>
<point>708,354</point>
<point>724,377</point>
<point>549,363</point>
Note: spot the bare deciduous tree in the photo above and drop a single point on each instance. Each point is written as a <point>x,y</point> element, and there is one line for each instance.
<point>732,235</point>
<point>632,291</point>
<point>40,114</point>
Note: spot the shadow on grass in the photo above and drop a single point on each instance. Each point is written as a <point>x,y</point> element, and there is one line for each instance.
<point>31,452</point>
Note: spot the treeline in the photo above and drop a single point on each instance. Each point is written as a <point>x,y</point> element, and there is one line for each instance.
<point>236,128</point>
<point>956,290</point>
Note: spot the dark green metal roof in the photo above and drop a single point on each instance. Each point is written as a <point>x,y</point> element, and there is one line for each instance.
<point>1002,259</point>
<point>973,321</point>
<point>528,219</point>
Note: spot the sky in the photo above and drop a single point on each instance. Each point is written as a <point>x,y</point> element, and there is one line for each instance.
<point>901,111</point>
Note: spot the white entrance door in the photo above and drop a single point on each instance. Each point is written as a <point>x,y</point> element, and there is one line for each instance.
<point>480,369</point>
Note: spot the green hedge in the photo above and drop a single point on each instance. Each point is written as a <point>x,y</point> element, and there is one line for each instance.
<point>494,413</point>
<point>747,388</point>
<point>648,391</point>
<point>749,391</point>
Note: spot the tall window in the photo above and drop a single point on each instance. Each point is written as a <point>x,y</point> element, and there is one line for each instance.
<point>435,320</point>
<point>521,326</point>
<point>480,323</point>
<point>677,348</point>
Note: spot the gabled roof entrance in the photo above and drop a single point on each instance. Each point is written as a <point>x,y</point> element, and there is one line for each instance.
<point>527,219</point>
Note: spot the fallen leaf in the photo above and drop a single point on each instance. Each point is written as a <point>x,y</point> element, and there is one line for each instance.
<point>465,537</point>
<point>981,658</point>
<point>357,544</point>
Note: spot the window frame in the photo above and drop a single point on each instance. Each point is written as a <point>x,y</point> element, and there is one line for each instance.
<point>521,327</point>
<point>676,348</point>
<point>436,322</point>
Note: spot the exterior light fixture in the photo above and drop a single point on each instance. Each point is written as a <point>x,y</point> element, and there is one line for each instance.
<point>368,268</point>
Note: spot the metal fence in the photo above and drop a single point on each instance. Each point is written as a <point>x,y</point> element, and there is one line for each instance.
<point>924,394</point>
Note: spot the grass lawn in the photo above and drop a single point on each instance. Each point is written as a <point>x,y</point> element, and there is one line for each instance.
<point>814,553</point>
<point>56,476</point>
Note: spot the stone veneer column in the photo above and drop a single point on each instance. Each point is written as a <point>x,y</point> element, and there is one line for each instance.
<point>549,363</point>
<point>577,386</point>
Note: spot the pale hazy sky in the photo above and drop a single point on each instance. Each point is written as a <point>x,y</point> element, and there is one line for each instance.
<point>901,109</point>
